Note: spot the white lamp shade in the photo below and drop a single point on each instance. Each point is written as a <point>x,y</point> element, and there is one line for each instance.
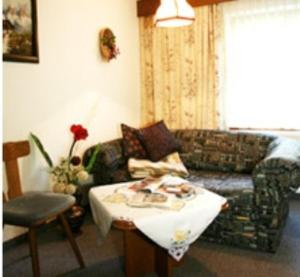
<point>174,13</point>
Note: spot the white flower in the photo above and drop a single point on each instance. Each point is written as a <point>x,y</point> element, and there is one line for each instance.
<point>59,187</point>
<point>82,175</point>
<point>70,189</point>
<point>62,162</point>
<point>75,167</point>
<point>52,180</point>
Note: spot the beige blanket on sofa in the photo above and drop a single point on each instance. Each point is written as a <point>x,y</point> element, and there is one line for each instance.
<point>171,164</point>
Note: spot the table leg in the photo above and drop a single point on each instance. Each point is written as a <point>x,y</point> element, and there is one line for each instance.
<point>144,256</point>
<point>163,262</point>
<point>139,254</point>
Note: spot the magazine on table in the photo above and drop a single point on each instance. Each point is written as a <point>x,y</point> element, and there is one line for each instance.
<point>165,184</point>
<point>168,192</point>
<point>163,192</point>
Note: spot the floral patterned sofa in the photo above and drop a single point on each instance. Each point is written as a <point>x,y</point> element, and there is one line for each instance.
<point>254,172</point>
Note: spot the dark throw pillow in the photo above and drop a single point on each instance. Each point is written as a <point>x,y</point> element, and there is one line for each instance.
<point>158,141</point>
<point>132,146</point>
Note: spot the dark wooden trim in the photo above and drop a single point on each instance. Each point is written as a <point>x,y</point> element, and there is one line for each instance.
<point>34,58</point>
<point>123,225</point>
<point>149,7</point>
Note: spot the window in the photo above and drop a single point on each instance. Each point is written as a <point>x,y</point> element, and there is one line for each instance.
<point>262,64</point>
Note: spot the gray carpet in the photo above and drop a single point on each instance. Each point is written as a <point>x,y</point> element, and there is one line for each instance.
<point>203,259</point>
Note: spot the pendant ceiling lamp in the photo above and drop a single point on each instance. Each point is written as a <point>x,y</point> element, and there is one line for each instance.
<point>174,13</point>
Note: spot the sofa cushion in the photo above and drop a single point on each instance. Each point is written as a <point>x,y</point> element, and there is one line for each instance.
<point>237,188</point>
<point>222,151</point>
<point>132,146</point>
<point>158,141</point>
<point>223,183</point>
<point>210,180</point>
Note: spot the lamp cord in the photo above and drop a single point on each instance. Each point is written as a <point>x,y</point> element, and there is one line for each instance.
<point>176,6</point>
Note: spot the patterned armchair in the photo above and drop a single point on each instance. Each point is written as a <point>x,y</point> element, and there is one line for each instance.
<point>254,172</point>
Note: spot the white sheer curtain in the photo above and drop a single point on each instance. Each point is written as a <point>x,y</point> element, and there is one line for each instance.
<point>261,84</point>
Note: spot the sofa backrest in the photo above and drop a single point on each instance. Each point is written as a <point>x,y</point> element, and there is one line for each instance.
<point>200,149</point>
<point>221,150</point>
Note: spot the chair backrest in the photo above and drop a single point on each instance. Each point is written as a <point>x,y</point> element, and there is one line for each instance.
<point>11,152</point>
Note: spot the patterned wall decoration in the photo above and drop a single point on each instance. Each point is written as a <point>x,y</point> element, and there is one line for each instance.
<point>178,66</point>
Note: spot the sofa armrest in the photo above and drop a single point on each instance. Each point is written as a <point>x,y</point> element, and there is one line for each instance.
<point>280,169</point>
<point>108,161</point>
<point>273,178</point>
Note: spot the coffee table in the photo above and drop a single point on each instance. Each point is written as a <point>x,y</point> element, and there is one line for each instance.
<point>142,255</point>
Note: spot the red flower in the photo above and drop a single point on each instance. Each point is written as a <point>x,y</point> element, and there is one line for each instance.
<point>79,132</point>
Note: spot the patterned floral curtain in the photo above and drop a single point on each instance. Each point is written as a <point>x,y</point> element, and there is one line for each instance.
<point>179,78</point>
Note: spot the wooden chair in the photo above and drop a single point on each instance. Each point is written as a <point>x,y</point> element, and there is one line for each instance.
<point>33,209</point>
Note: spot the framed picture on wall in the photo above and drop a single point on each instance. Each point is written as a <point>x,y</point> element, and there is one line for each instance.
<point>20,42</point>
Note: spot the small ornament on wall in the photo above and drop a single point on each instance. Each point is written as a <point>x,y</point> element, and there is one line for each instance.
<point>107,43</point>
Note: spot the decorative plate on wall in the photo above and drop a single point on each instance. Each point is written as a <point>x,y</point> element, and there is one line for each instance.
<point>108,47</point>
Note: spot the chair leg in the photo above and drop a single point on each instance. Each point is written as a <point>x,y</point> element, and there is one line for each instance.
<point>73,243</point>
<point>34,251</point>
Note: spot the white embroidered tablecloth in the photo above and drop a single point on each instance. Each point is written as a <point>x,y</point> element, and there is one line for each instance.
<point>171,229</point>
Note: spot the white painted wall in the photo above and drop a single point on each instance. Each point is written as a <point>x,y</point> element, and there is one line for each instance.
<point>72,84</point>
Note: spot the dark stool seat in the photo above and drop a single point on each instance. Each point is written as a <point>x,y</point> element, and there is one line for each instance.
<point>33,207</point>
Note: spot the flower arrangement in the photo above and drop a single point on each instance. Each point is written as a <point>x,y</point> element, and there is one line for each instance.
<point>108,47</point>
<point>65,176</point>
